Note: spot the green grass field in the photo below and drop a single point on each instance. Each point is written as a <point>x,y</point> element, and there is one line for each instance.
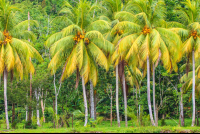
<point>104,127</point>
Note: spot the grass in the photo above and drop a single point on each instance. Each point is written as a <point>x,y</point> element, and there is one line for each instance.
<point>104,127</point>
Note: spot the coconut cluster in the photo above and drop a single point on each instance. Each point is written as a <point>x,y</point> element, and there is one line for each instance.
<point>146,30</point>
<point>7,38</point>
<point>80,36</point>
<point>119,32</point>
<point>194,34</point>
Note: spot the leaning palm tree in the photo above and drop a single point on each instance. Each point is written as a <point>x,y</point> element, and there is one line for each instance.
<point>190,33</point>
<point>15,50</point>
<point>81,45</point>
<point>150,40</point>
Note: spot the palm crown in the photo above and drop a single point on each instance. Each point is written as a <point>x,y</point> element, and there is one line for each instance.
<point>81,44</point>
<point>15,50</point>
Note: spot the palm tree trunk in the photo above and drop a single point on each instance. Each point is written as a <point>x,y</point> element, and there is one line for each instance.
<point>85,101</point>
<point>154,101</point>
<point>125,99</point>
<point>117,100</point>
<point>5,97</point>
<point>193,89</point>
<point>37,107</point>
<point>56,104</point>
<point>92,99</point>
<point>137,105</point>
<point>30,109</point>
<point>148,92</point>
<point>111,97</point>
<point>26,107</point>
<point>181,109</point>
<point>95,104</point>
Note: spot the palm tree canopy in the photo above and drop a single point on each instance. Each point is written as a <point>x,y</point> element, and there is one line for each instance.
<point>15,50</point>
<point>149,36</point>
<point>81,45</point>
<point>190,30</point>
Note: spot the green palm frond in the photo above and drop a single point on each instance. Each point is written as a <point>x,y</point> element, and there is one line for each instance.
<point>53,38</point>
<point>66,42</point>
<point>99,25</point>
<point>126,25</point>
<point>72,29</point>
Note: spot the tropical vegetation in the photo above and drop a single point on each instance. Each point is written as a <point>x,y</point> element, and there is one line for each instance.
<point>138,62</point>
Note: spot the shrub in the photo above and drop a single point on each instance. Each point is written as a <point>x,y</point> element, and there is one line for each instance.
<point>30,125</point>
<point>163,123</point>
<point>14,124</point>
<point>99,119</point>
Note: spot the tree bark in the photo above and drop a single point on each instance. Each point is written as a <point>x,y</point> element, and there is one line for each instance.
<point>56,93</point>
<point>181,109</point>
<point>85,101</point>
<point>37,107</point>
<point>139,106</point>
<point>154,101</point>
<point>117,96</point>
<point>193,89</point>
<point>92,100</point>
<point>54,113</point>
<point>125,99</point>
<point>136,105</point>
<point>5,97</point>
<point>148,92</point>
<point>30,108</point>
<point>111,97</point>
<point>43,106</point>
<point>26,107</point>
<point>95,104</point>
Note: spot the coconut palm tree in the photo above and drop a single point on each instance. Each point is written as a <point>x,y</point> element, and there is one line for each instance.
<point>190,33</point>
<point>118,59</point>
<point>150,40</point>
<point>15,50</point>
<point>112,7</point>
<point>81,45</point>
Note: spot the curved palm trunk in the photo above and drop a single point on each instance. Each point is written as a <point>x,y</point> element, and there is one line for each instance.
<point>117,100</point>
<point>148,92</point>
<point>154,101</point>
<point>193,89</point>
<point>92,100</point>
<point>85,101</point>
<point>125,99</point>
<point>5,97</point>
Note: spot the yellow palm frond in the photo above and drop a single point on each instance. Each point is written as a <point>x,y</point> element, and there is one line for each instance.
<point>9,57</point>
<point>134,46</point>
<point>187,45</point>
<point>98,55</point>
<point>144,48</point>
<point>79,53</point>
